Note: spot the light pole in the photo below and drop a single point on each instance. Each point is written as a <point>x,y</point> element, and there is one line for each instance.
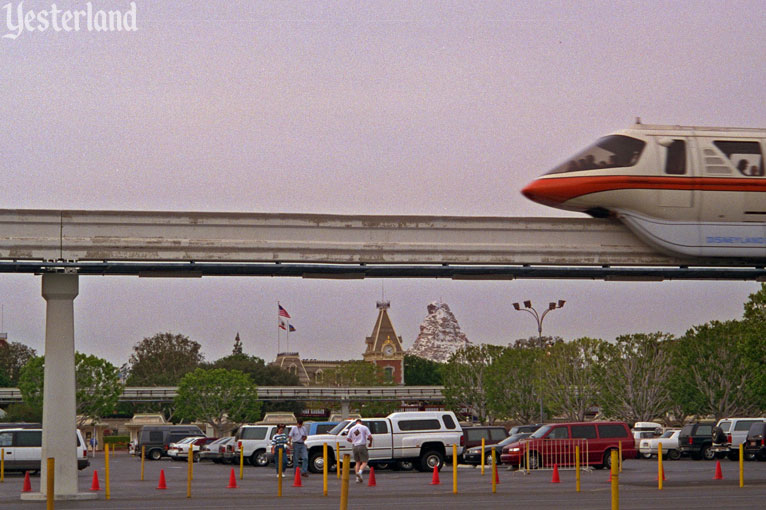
<point>539,318</point>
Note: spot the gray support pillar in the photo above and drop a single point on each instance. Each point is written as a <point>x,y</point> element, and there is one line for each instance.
<point>59,419</point>
<point>344,403</point>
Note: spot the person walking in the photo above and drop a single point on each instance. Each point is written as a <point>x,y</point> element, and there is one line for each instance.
<point>360,438</point>
<point>279,442</point>
<point>297,437</point>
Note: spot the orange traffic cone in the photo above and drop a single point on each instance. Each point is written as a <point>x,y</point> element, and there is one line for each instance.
<point>435,477</point>
<point>94,486</point>
<point>718,473</point>
<point>297,481</point>
<point>162,480</point>
<point>497,477</point>
<point>555,478</point>
<point>27,485</point>
<point>371,482</point>
<point>658,475</point>
<point>610,476</point>
<point>232,480</point>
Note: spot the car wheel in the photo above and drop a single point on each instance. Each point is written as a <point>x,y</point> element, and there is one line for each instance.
<point>404,465</point>
<point>488,459</point>
<point>534,461</point>
<point>733,456</point>
<point>316,462</point>
<point>674,455</point>
<point>707,452</point>
<point>155,454</point>
<point>608,459</point>
<point>646,455</point>
<point>195,457</point>
<point>749,456</point>
<point>259,459</point>
<point>431,459</point>
<point>382,465</point>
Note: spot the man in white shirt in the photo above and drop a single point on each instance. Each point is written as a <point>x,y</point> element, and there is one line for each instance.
<point>360,437</point>
<point>297,436</point>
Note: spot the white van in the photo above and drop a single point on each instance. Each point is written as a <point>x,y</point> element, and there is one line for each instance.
<point>646,430</point>
<point>23,449</point>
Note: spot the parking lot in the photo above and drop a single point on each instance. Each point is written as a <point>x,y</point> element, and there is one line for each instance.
<point>687,483</point>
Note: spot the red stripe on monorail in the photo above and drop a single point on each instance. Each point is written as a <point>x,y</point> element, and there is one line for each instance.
<point>557,190</point>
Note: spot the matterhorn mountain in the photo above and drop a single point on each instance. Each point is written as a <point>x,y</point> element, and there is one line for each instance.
<point>440,334</point>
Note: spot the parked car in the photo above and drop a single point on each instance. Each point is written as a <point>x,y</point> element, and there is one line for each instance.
<point>669,439</point>
<point>755,444</point>
<point>23,449</point>
<point>556,444</point>
<point>214,450</point>
<point>516,429</point>
<point>473,435</point>
<point>180,450</point>
<point>729,433</point>
<point>645,430</point>
<point>473,455</point>
<point>156,439</point>
<point>405,440</point>
<point>696,440</point>
<point>320,427</point>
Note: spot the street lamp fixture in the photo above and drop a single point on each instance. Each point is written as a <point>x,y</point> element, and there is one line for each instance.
<point>539,319</point>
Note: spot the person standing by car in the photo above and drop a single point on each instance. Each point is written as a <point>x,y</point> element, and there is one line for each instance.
<point>279,442</point>
<point>360,437</point>
<point>298,435</point>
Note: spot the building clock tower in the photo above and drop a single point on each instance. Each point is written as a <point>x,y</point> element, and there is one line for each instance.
<point>384,347</point>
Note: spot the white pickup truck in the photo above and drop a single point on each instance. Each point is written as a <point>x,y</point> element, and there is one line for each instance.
<point>400,440</point>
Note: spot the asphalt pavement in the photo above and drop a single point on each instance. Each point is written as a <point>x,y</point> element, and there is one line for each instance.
<point>688,484</point>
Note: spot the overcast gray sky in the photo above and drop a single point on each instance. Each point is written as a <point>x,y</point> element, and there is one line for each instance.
<point>356,108</point>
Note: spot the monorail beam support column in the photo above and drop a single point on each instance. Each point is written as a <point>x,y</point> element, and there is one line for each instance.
<point>344,408</point>
<point>59,291</point>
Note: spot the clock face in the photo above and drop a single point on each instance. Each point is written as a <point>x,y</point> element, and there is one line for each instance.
<point>388,350</point>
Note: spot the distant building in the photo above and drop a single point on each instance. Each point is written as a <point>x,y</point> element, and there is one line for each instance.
<point>383,348</point>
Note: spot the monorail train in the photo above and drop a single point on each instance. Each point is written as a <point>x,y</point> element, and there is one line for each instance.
<point>694,191</point>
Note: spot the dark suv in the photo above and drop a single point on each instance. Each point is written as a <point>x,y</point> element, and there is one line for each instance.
<point>491,434</point>
<point>755,444</point>
<point>696,440</point>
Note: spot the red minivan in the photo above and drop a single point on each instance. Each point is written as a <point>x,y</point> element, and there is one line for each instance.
<point>557,443</point>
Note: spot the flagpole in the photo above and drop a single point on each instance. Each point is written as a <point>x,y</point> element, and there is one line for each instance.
<point>278,342</point>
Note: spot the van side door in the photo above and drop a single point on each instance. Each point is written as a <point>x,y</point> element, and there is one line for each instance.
<point>28,448</point>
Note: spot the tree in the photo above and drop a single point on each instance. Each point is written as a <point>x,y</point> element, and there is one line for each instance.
<point>635,385</point>
<point>755,307</point>
<point>513,390</point>
<point>163,359</point>
<point>237,345</point>
<point>97,383</point>
<point>421,372</point>
<point>712,375</point>
<point>356,373</point>
<point>569,383</point>
<point>222,398</point>
<point>13,357</point>
<point>467,386</point>
<point>259,371</point>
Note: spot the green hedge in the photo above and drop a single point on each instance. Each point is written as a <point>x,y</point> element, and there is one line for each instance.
<point>119,441</point>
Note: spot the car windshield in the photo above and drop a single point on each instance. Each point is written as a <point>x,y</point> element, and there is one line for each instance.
<point>668,433</point>
<point>186,440</point>
<point>540,432</point>
<point>514,438</point>
<point>337,428</point>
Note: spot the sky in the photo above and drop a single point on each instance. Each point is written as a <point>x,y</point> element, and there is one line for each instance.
<point>396,107</point>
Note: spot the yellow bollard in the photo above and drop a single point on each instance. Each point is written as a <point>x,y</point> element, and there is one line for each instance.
<point>659,466</point>
<point>241,461</point>
<point>344,483</point>
<point>482,456</point>
<point>279,472</point>
<point>143,456</point>
<point>620,446</point>
<point>494,472</point>
<point>2,464</point>
<point>107,491</point>
<point>324,469</point>
<point>189,471</point>
<point>741,464</point>
<point>527,455</point>
<point>577,468</point>
<point>454,469</point>
<point>337,459</point>
<point>50,484</point>
<point>615,481</point>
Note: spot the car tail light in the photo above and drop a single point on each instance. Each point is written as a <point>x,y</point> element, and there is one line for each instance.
<point>691,441</point>
<point>462,440</point>
<point>85,454</point>
<point>763,441</point>
<point>239,444</point>
<point>728,438</point>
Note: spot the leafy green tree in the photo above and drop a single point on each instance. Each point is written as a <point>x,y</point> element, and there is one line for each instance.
<point>713,375</point>
<point>755,307</point>
<point>356,373</point>
<point>163,359</point>
<point>222,398</point>
<point>636,383</point>
<point>421,372</point>
<point>569,381</point>
<point>513,388</point>
<point>97,383</point>
<point>468,383</point>
<point>13,357</point>
<point>259,371</point>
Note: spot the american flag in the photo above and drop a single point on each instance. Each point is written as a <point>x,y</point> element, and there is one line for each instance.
<point>283,312</point>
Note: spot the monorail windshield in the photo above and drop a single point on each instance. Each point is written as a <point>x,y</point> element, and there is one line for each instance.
<point>612,151</point>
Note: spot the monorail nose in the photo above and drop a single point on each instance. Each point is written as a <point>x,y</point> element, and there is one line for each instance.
<point>548,192</point>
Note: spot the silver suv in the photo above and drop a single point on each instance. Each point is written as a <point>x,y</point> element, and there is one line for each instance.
<point>729,433</point>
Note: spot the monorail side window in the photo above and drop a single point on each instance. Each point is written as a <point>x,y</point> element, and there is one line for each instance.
<point>675,163</point>
<point>612,151</point>
<point>746,157</point>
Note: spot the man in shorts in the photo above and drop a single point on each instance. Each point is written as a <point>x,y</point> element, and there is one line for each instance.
<point>360,437</point>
